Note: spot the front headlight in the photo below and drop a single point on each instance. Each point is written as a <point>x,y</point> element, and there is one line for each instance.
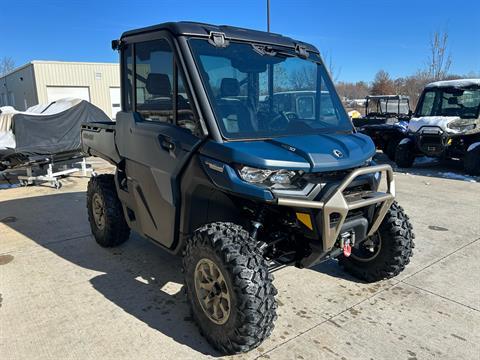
<point>283,177</point>
<point>462,125</point>
<point>254,175</point>
<point>266,177</point>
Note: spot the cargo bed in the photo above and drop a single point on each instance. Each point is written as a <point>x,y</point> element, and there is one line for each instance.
<point>98,139</point>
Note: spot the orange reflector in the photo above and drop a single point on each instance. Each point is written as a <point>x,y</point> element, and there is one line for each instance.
<point>305,219</point>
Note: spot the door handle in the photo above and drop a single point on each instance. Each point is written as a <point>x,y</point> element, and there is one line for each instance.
<point>167,143</point>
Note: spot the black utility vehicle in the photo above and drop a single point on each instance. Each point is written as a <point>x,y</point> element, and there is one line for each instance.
<point>210,166</point>
<point>446,125</point>
<point>385,121</point>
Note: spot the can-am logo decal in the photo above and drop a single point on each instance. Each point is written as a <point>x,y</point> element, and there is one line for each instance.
<point>337,153</point>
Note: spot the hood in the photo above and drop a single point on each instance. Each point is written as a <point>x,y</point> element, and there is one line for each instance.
<point>311,153</point>
<point>441,122</point>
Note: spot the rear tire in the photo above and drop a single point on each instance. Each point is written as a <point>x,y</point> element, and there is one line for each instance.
<point>225,251</point>
<point>404,155</point>
<point>396,248</point>
<point>105,212</point>
<point>471,162</point>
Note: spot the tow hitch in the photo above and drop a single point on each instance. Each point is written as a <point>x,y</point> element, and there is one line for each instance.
<point>347,240</point>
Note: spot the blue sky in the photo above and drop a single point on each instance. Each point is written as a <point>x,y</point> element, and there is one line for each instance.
<point>360,36</point>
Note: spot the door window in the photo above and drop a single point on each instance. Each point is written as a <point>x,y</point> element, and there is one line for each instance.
<point>186,117</point>
<point>161,93</point>
<point>153,80</point>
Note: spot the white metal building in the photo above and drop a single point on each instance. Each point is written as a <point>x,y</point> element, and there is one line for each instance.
<point>40,82</point>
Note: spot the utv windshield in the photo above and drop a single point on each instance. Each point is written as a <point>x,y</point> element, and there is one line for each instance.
<point>464,103</point>
<point>265,92</point>
<point>388,107</point>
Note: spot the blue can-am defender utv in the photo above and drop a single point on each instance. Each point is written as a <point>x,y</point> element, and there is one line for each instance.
<point>210,165</point>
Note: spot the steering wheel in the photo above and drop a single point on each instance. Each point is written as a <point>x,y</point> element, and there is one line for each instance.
<point>290,115</point>
<point>278,122</point>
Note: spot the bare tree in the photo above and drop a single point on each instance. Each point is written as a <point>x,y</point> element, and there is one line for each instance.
<point>6,65</point>
<point>352,91</point>
<point>413,85</point>
<point>332,68</point>
<point>304,78</point>
<point>440,60</point>
<point>382,84</point>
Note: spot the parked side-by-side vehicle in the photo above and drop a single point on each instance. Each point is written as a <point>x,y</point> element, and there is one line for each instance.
<point>212,164</point>
<point>385,121</point>
<point>446,125</point>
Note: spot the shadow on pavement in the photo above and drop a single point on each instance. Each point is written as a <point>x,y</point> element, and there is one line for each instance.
<point>140,278</point>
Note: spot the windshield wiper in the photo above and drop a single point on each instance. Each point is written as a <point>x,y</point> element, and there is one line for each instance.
<point>270,51</point>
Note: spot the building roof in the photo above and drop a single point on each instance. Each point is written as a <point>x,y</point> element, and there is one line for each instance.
<point>454,83</point>
<point>233,33</point>
<point>53,62</point>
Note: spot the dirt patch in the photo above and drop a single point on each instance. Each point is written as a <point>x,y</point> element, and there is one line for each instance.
<point>5,259</point>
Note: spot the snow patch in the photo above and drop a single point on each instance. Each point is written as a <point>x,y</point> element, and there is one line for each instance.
<point>473,146</point>
<point>454,83</point>
<point>441,121</point>
<point>455,176</point>
<point>423,160</point>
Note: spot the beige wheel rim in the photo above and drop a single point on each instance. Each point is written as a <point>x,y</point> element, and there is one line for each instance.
<point>212,291</point>
<point>98,211</point>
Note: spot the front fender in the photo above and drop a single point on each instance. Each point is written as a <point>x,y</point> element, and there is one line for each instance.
<point>226,178</point>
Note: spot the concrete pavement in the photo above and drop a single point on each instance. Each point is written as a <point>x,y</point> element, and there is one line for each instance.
<point>64,297</point>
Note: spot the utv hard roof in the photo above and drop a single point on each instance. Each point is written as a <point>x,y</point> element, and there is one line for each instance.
<point>187,28</point>
<point>387,97</point>
<point>454,83</point>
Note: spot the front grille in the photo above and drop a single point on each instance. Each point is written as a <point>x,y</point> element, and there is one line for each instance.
<point>325,177</point>
<point>431,140</point>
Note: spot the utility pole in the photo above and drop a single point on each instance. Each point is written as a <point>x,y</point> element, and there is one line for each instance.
<point>268,15</point>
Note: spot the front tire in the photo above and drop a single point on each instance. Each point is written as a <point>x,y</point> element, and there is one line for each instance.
<point>393,245</point>
<point>229,287</point>
<point>105,212</point>
<point>405,155</point>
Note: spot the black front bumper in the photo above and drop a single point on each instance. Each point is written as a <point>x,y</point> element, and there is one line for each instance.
<point>432,140</point>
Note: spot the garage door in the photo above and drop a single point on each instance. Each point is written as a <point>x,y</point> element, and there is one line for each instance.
<point>115,100</point>
<point>55,93</point>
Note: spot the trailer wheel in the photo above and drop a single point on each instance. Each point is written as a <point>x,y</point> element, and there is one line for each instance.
<point>105,212</point>
<point>229,287</point>
<point>471,162</point>
<point>386,253</point>
<point>404,155</point>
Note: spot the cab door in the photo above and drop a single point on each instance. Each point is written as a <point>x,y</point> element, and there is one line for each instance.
<point>157,137</point>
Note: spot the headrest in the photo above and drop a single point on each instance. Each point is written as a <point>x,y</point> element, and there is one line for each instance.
<point>159,85</point>
<point>229,87</point>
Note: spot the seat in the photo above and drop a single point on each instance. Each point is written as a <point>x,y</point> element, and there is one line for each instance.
<point>235,114</point>
<point>158,104</point>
